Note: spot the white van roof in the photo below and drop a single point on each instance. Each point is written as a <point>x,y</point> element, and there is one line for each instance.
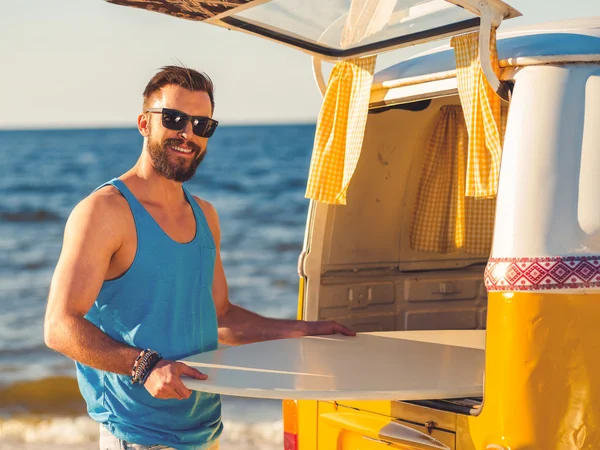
<point>571,40</point>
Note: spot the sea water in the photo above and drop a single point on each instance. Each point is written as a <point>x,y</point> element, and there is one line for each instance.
<point>254,176</point>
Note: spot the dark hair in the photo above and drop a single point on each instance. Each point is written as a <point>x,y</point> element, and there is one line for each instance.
<point>189,79</point>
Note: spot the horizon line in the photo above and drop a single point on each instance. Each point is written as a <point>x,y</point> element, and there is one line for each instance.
<point>83,127</point>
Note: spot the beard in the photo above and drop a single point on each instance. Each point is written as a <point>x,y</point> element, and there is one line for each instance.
<point>176,168</point>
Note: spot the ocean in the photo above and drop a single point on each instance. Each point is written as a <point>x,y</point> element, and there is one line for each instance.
<point>255,177</point>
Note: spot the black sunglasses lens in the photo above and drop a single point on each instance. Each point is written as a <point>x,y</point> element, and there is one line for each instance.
<point>204,127</point>
<point>173,119</point>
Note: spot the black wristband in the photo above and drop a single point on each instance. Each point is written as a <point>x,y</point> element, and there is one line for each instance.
<point>143,365</point>
<point>150,367</point>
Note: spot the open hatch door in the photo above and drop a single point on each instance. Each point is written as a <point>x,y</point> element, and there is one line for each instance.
<point>340,29</point>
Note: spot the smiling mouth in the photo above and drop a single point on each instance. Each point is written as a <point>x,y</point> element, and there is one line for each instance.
<point>177,149</point>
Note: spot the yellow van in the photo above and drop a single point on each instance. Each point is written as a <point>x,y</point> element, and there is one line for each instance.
<point>428,231</point>
<point>533,285</point>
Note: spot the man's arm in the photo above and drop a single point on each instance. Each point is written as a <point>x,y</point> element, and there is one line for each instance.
<point>92,237</point>
<point>238,325</point>
<point>90,240</point>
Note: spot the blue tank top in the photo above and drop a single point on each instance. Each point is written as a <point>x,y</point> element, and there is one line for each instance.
<point>163,302</point>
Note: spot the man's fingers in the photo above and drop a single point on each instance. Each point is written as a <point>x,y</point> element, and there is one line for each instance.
<point>325,327</point>
<point>341,329</point>
<point>165,380</point>
<point>181,390</point>
<point>193,373</point>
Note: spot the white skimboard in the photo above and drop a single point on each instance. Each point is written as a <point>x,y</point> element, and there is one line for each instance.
<point>400,365</point>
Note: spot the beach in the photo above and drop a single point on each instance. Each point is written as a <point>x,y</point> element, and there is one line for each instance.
<point>81,433</point>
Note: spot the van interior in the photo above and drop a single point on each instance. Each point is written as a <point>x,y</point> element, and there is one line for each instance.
<point>360,266</point>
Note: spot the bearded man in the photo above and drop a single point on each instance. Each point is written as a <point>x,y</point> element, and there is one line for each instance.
<point>140,284</point>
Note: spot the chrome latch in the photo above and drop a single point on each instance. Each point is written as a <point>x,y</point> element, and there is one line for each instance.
<point>430,425</point>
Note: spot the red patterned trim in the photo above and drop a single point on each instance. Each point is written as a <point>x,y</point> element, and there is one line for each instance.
<point>540,274</point>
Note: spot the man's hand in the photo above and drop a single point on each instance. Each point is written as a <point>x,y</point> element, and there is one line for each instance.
<point>239,326</point>
<point>165,380</point>
<point>327,327</point>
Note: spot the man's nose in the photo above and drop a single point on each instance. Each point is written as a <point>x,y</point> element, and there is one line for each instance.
<point>187,131</point>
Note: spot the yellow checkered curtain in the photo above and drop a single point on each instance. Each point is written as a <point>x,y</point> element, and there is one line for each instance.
<point>438,219</point>
<point>481,107</point>
<point>444,219</point>
<point>340,130</point>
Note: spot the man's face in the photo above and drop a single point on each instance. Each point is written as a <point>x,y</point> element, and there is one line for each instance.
<point>169,150</point>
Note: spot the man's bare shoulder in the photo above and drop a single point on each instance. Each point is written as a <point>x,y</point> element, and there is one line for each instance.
<point>105,211</point>
<point>106,202</point>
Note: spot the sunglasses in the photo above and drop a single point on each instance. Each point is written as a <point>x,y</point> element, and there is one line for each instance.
<point>173,119</point>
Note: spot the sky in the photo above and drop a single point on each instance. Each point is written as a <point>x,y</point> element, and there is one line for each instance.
<point>85,63</point>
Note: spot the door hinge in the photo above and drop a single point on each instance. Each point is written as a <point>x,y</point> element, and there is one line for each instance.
<point>301,259</point>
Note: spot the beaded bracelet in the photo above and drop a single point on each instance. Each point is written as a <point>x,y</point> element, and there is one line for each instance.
<point>136,363</point>
<point>143,365</point>
<point>146,362</point>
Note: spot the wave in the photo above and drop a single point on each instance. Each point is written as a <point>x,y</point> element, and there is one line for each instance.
<point>82,433</point>
<point>39,215</point>
<point>58,395</point>
<point>52,412</point>
<point>57,431</point>
<point>17,351</point>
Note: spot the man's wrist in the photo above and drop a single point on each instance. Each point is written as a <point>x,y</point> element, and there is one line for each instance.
<point>301,328</point>
<point>143,365</point>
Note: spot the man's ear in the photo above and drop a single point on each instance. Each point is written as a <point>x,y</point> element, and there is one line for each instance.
<point>143,125</point>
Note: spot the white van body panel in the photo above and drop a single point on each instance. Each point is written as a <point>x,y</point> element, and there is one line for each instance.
<point>541,184</point>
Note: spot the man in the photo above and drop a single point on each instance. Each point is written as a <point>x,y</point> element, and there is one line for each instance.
<point>140,284</point>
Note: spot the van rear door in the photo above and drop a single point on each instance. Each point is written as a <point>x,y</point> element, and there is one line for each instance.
<point>338,29</point>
